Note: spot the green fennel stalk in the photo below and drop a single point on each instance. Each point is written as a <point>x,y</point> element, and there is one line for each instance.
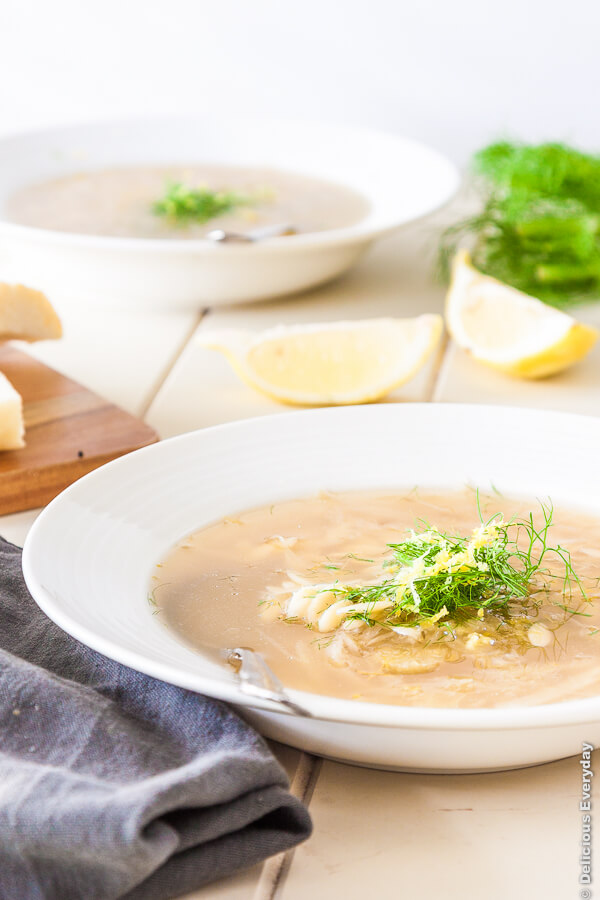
<point>539,228</point>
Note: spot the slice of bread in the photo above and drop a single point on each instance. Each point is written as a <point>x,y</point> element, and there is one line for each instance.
<point>26,315</point>
<point>12,428</point>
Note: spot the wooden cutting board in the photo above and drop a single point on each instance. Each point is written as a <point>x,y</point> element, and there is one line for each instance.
<point>69,431</point>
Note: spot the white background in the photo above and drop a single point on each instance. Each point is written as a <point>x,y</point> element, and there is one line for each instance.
<point>454,73</point>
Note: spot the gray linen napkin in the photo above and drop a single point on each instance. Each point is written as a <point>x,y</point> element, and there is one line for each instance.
<point>114,784</point>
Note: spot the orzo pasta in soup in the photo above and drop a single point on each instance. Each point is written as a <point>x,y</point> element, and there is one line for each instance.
<point>413,598</point>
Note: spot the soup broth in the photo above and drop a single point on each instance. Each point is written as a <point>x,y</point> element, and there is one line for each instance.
<point>234,583</point>
<point>119,202</point>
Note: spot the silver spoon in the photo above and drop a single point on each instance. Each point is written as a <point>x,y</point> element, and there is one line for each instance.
<point>218,236</point>
<point>257,679</point>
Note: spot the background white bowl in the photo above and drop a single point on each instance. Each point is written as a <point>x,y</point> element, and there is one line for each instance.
<point>87,559</point>
<point>401,179</point>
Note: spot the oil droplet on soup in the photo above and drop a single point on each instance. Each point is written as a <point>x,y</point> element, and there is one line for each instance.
<point>234,583</point>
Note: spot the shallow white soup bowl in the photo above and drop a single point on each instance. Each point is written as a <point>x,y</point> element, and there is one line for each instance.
<point>401,180</point>
<point>89,556</point>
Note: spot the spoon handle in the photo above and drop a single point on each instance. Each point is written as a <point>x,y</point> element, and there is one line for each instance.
<point>257,679</point>
<point>218,236</point>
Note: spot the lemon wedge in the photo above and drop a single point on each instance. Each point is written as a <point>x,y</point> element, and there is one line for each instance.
<point>329,363</point>
<point>508,329</point>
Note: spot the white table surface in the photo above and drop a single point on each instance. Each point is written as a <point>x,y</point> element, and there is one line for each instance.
<point>380,834</point>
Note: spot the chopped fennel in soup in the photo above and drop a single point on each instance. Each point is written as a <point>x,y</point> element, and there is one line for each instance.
<point>418,598</point>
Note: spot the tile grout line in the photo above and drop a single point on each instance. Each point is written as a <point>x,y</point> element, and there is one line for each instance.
<point>172,362</point>
<point>305,782</point>
<point>275,870</point>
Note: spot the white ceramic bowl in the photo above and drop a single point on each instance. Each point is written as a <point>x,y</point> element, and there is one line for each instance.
<point>88,557</point>
<point>401,179</point>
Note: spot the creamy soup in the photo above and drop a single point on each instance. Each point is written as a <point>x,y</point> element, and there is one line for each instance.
<point>286,580</point>
<point>119,202</point>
